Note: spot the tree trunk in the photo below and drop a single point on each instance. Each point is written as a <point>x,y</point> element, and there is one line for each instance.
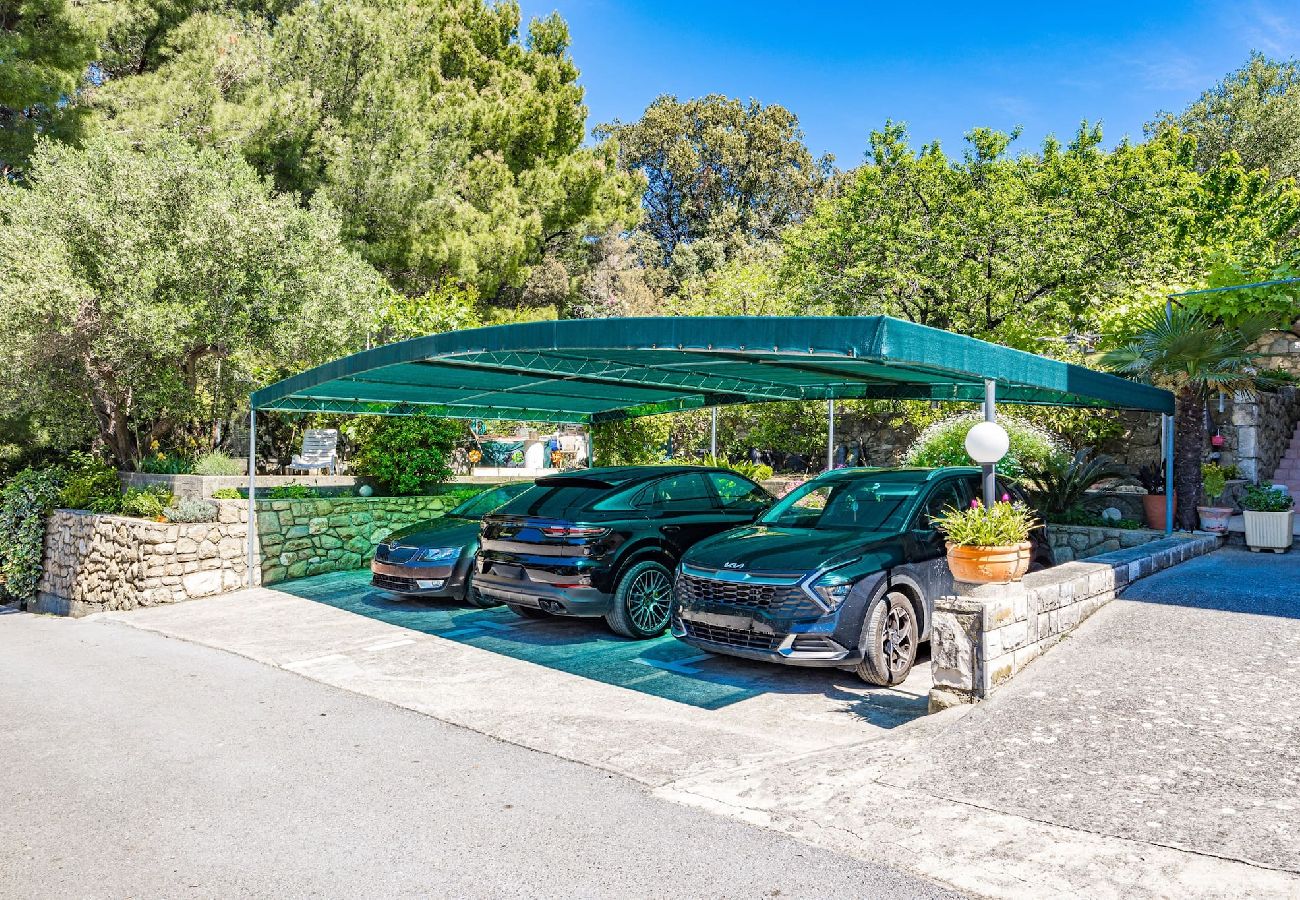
<point>1189,447</point>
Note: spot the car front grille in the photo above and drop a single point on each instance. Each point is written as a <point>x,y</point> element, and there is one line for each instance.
<point>777,600</point>
<point>392,582</point>
<point>390,554</point>
<point>731,637</point>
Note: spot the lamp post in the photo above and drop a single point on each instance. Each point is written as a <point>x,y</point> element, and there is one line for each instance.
<point>987,443</point>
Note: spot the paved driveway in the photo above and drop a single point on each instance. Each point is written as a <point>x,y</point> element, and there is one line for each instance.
<point>651,710</point>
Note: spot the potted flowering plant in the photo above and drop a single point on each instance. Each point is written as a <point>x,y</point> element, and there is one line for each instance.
<point>1214,481</point>
<point>1270,518</point>
<point>988,545</point>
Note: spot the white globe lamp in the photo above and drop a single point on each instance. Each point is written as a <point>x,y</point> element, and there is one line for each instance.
<point>987,442</point>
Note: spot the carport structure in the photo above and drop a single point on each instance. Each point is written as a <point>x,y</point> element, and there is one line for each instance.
<point>593,371</point>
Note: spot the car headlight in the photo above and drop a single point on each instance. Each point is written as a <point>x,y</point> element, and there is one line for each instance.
<point>832,589</point>
<point>440,554</point>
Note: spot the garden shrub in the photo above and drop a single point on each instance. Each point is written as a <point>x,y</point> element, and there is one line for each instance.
<point>409,455</point>
<point>217,463</point>
<point>292,492</point>
<point>632,442</point>
<point>146,502</point>
<point>227,494</point>
<point>90,484</point>
<point>187,509</point>
<point>166,464</point>
<point>25,503</point>
<point>1078,515</point>
<point>944,444</point>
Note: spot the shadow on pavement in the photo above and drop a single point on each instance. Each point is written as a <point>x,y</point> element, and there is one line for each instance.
<point>663,667</point>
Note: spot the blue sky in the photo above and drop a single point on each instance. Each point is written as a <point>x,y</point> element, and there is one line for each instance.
<point>844,68</point>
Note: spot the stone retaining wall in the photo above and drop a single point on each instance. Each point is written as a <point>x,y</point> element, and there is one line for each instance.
<point>331,534</point>
<point>1071,542</point>
<point>94,563</point>
<point>983,635</point>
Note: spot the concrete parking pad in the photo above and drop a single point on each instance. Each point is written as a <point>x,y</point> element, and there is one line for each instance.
<point>652,710</point>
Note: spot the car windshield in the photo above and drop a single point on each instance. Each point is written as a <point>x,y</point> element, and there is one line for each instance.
<point>489,501</point>
<point>877,501</point>
<point>556,499</point>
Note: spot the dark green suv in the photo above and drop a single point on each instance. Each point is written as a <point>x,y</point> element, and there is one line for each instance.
<point>604,542</point>
<point>841,572</point>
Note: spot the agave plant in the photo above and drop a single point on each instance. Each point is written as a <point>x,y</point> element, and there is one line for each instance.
<point>1195,356</point>
<point>1057,484</point>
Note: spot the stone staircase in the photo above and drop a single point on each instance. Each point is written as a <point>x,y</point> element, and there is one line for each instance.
<point>1288,470</point>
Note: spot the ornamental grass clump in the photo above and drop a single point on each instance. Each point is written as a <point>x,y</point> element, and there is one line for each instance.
<point>1000,525</point>
<point>187,509</point>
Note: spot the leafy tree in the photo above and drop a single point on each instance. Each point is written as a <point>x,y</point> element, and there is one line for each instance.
<point>720,174</point>
<point>45,49</point>
<point>1195,357</point>
<point>632,442</point>
<point>1253,112</point>
<point>133,280</point>
<point>451,146</point>
<point>406,455</point>
<point>1020,248</point>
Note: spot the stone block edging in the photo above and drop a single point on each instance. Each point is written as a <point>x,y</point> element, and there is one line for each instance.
<point>982,635</point>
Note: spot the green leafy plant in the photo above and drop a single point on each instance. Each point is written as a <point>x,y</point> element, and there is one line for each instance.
<point>752,471</point>
<point>292,492</point>
<point>1266,498</point>
<point>632,442</point>
<point>227,494</point>
<point>90,484</point>
<point>146,502</point>
<point>187,509</point>
<point>166,464</point>
<point>217,463</point>
<point>1058,483</point>
<point>1214,481</point>
<point>25,503</point>
<point>999,525</point>
<point>405,455</point>
<point>944,444</point>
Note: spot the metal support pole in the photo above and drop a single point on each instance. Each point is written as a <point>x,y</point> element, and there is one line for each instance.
<point>252,490</point>
<point>1168,421</point>
<point>830,435</point>
<point>713,434</point>
<point>990,415</point>
<point>591,447</point>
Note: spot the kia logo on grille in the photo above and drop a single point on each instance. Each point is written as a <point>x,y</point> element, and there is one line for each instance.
<point>733,565</point>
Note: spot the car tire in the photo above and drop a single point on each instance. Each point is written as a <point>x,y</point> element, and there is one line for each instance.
<point>642,601</point>
<point>891,639</point>
<point>528,612</point>
<point>475,597</point>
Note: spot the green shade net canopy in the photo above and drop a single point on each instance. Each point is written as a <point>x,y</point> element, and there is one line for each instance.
<point>589,371</point>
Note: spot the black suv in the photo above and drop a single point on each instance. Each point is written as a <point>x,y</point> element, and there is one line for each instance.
<point>842,572</point>
<point>604,542</point>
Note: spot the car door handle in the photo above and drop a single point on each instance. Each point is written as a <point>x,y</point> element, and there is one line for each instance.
<point>671,529</point>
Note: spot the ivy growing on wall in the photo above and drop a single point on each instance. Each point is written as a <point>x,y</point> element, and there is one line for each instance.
<point>25,504</point>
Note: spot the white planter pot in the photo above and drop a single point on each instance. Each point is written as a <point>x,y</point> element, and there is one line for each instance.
<point>1269,530</point>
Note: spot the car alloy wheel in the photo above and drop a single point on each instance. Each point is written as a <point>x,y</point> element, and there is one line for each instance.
<point>899,643</point>
<point>648,600</point>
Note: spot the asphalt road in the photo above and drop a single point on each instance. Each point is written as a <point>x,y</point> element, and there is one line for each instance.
<point>141,766</point>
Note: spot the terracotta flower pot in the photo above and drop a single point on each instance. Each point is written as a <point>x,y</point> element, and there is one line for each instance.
<point>1214,518</point>
<point>1153,507</point>
<point>990,565</point>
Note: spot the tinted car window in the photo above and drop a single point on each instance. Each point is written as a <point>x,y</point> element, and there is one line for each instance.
<point>554,501</point>
<point>869,503</point>
<point>735,492</point>
<point>682,493</point>
<point>489,501</point>
<point>944,497</point>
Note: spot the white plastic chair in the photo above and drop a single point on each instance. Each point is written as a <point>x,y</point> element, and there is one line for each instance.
<point>320,450</point>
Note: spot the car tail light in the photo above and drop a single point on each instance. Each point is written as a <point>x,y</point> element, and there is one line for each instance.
<point>583,531</point>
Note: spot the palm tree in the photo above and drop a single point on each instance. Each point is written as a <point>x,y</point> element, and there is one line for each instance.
<point>1195,356</point>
